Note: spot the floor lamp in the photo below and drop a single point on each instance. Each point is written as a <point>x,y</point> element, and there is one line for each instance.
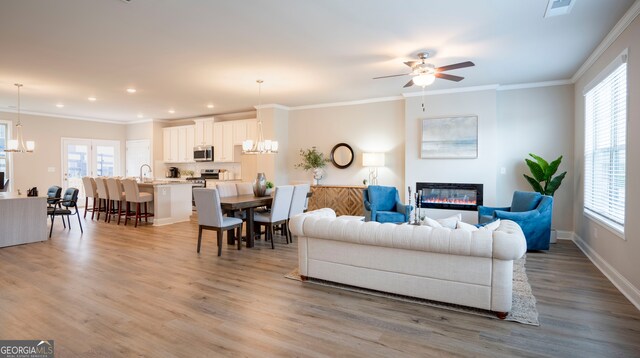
<point>373,161</point>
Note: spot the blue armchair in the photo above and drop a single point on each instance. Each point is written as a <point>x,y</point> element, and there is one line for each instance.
<point>382,204</point>
<point>531,210</point>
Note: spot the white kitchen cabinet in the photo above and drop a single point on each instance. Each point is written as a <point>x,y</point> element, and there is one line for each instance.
<point>204,131</point>
<point>223,142</point>
<point>178,144</point>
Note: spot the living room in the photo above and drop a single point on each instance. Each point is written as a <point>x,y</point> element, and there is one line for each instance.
<point>544,116</point>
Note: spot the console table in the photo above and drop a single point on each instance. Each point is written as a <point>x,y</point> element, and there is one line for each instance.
<point>343,199</point>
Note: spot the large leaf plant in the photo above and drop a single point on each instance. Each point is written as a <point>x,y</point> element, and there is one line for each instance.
<point>543,180</point>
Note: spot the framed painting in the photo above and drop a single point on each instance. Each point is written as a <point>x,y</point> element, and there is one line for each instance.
<point>449,138</point>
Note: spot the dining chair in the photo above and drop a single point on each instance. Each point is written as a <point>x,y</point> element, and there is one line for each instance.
<point>133,195</point>
<point>210,216</point>
<point>53,193</point>
<point>297,204</point>
<point>116,198</point>
<point>244,188</point>
<point>103,197</point>
<point>90,191</point>
<point>68,201</point>
<point>279,212</point>
<point>227,189</point>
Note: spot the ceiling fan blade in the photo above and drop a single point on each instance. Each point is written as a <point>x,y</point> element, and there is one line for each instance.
<point>455,66</point>
<point>445,76</point>
<point>404,74</point>
<point>409,84</point>
<point>411,63</point>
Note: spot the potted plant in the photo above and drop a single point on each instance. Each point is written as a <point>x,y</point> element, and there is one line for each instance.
<point>313,160</point>
<point>543,180</point>
<point>269,188</point>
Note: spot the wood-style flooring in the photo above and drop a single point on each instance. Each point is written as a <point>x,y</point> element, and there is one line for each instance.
<point>119,291</point>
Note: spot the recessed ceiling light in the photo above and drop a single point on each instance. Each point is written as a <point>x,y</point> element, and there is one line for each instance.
<point>140,115</point>
<point>209,105</point>
<point>131,90</point>
<point>172,111</point>
<point>92,99</point>
<point>60,105</point>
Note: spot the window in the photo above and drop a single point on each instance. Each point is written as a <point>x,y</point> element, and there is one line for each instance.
<point>605,145</point>
<point>4,137</point>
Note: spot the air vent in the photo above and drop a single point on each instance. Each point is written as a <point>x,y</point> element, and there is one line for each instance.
<point>558,7</point>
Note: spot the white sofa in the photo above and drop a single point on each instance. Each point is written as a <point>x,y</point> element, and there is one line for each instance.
<point>456,266</point>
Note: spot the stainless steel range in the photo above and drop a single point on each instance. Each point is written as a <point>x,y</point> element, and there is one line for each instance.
<point>198,182</point>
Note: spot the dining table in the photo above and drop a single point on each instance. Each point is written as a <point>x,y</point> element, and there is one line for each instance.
<point>248,204</point>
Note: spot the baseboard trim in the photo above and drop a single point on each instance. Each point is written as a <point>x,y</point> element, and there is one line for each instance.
<point>565,235</point>
<point>622,284</point>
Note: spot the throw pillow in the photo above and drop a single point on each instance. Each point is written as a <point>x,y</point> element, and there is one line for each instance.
<point>451,221</point>
<point>465,226</point>
<point>492,225</point>
<point>430,222</point>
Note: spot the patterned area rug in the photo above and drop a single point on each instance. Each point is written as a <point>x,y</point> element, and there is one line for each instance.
<point>523,308</point>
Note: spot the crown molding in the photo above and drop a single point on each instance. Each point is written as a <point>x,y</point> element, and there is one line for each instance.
<point>272,105</point>
<point>42,114</point>
<point>615,32</point>
<point>348,103</point>
<point>451,90</point>
<point>534,85</point>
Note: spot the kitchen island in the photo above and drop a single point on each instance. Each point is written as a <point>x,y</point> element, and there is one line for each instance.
<point>171,200</point>
<point>23,219</point>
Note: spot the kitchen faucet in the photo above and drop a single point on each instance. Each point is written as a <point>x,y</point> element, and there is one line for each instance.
<point>141,167</point>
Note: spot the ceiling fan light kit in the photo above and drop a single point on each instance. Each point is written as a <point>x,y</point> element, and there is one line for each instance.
<point>424,74</point>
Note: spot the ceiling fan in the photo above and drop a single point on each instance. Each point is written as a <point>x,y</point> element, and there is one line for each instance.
<point>425,73</point>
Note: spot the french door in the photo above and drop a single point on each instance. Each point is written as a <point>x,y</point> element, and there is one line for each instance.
<point>88,157</point>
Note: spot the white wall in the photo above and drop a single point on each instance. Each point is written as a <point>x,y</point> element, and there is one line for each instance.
<point>481,170</point>
<point>617,257</point>
<point>374,127</point>
<point>31,169</point>
<point>540,121</point>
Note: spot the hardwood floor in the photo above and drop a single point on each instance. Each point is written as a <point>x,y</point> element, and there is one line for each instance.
<point>117,291</point>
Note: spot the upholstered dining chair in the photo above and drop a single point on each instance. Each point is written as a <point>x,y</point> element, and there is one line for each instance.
<point>103,197</point>
<point>90,191</point>
<point>298,201</point>
<point>69,200</point>
<point>210,217</point>
<point>116,198</point>
<point>244,188</point>
<point>53,193</point>
<point>532,211</point>
<point>132,194</point>
<point>227,189</point>
<point>279,212</point>
<point>382,204</point>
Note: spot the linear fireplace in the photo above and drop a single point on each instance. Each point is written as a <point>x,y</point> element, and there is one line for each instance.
<point>454,196</point>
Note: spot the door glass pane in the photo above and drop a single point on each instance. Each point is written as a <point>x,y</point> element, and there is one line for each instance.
<point>77,165</point>
<point>105,160</point>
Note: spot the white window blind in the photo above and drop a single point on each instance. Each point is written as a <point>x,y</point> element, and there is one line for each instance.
<point>605,146</point>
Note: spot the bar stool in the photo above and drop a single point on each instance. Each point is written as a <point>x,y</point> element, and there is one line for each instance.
<point>133,195</point>
<point>90,191</point>
<point>116,198</point>
<point>103,197</point>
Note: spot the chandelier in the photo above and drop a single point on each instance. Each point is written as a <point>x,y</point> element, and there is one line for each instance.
<point>17,145</point>
<point>260,145</point>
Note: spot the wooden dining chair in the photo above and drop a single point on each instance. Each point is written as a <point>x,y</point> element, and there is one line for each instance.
<point>279,212</point>
<point>210,217</point>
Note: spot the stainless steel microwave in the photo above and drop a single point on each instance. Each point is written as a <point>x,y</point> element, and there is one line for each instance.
<point>203,153</point>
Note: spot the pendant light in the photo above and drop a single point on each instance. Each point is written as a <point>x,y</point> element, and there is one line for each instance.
<point>260,145</point>
<point>17,145</point>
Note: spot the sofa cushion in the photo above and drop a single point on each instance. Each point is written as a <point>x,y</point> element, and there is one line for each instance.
<point>465,226</point>
<point>383,197</point>
<point>430,222</point>
<point>492,225</point>
<point>525,201</point>
<point>389,217</point>
<point>451,221</point>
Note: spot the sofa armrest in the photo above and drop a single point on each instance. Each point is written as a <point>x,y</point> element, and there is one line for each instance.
<point>509,242</point>
<point>488,211</point>
<point>404,210</point>
<point>296,223</point>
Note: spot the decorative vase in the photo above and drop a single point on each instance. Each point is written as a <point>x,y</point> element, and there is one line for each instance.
<point>260,185</point>
<point>318,174</point>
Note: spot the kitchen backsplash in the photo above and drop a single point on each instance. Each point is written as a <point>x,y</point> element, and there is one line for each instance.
<point>234,169</point>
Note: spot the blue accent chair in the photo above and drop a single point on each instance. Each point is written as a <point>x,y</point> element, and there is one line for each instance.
<point>382,204</point>
<point>531,210</point>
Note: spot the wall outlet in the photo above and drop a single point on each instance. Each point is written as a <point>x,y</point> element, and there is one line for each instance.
<point>503,170</point>
<point>51,169</point>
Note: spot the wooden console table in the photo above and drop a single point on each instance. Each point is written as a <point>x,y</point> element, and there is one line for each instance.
<point>343,199</point>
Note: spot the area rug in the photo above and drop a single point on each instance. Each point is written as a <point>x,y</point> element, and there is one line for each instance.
<point>523,309</point>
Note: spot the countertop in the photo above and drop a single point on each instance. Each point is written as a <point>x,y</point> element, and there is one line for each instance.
<point>14,195</point>
<point>167,182</point>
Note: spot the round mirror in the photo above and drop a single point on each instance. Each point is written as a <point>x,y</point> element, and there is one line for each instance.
<point>342,155</point>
